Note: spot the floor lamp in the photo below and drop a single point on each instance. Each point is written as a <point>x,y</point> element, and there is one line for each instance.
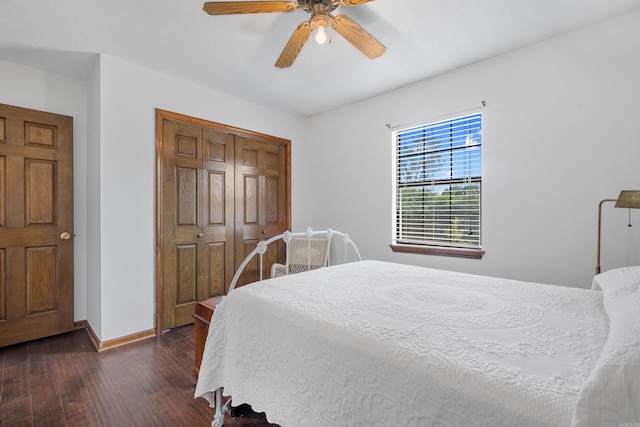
<point>626,199</point>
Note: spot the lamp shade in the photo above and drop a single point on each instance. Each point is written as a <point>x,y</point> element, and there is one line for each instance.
<point>628,199</point>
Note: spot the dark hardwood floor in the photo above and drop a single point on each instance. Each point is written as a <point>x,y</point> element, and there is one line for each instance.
<point>63,381</point>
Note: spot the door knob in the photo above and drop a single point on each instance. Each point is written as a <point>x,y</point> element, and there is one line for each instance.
<point>200,235</point>
<point>65,235</point>
<point>264,232</point>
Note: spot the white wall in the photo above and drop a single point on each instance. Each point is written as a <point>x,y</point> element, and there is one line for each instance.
<point>37,89</point>
<point>560,133</point>
<point>129,97</point>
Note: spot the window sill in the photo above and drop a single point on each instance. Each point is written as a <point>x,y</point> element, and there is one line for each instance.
<point>439,251</point>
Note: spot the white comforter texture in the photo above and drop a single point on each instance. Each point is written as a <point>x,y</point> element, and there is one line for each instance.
<point>380,344</point>
<point>611,395</point>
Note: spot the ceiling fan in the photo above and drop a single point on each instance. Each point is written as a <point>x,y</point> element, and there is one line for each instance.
<point>321,18</point>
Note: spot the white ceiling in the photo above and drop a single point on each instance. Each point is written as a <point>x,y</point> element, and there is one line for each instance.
<point>236,54</point>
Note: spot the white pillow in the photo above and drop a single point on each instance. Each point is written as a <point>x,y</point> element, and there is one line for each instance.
<point>611,394</point>
<point>616,277</point>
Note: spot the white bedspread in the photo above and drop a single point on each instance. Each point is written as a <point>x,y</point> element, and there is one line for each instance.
<point>381,344</point>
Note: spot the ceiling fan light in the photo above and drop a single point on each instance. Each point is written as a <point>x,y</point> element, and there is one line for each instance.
<point>321,35</point>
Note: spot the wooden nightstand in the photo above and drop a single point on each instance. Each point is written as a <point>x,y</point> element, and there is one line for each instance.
<point>202,316</point>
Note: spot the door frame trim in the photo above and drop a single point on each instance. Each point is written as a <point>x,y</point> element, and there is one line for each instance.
<point>161,116</point>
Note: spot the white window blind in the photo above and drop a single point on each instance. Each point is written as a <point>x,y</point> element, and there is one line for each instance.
<point>438,179</point>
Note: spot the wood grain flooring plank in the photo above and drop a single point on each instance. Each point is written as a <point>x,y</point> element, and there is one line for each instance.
<point>172,382</point>
<point>16,413</point>
<point>177,400</point>
<point>169,385</point>
<point>76,399</point>
<point>15,395</point>
<point>14,383</point>
<point>15,371</point>
<point>111,410</point>
<point>46,403</point>
<point>39,359</point>
<point>142,409</point>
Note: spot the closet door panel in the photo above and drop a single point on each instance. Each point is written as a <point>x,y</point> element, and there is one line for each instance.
<point>182,214</point>
<point>261,202</point>
<point>218,229</point>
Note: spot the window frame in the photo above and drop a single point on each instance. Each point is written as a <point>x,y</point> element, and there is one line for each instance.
<point>439,249</point>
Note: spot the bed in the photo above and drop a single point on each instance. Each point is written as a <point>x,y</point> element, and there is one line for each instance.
<point>372,343</point>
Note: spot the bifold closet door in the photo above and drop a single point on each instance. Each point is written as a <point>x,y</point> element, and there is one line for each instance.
<point>222,191</point>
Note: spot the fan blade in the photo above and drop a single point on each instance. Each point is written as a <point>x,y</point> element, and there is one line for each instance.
<point>357,36</point>
<point>294,46</point>
<point>235,7</point>
<point>353,2</point>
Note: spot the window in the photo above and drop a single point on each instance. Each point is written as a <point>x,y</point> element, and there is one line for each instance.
<point>437,191</point>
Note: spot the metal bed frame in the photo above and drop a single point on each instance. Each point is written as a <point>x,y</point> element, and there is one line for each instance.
<point>260,250</point>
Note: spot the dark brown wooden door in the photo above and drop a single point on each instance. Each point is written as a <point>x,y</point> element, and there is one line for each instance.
<point>36,224</point>
<point>198,218</point>
<point>261,202</point>
<point>220,191</point>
